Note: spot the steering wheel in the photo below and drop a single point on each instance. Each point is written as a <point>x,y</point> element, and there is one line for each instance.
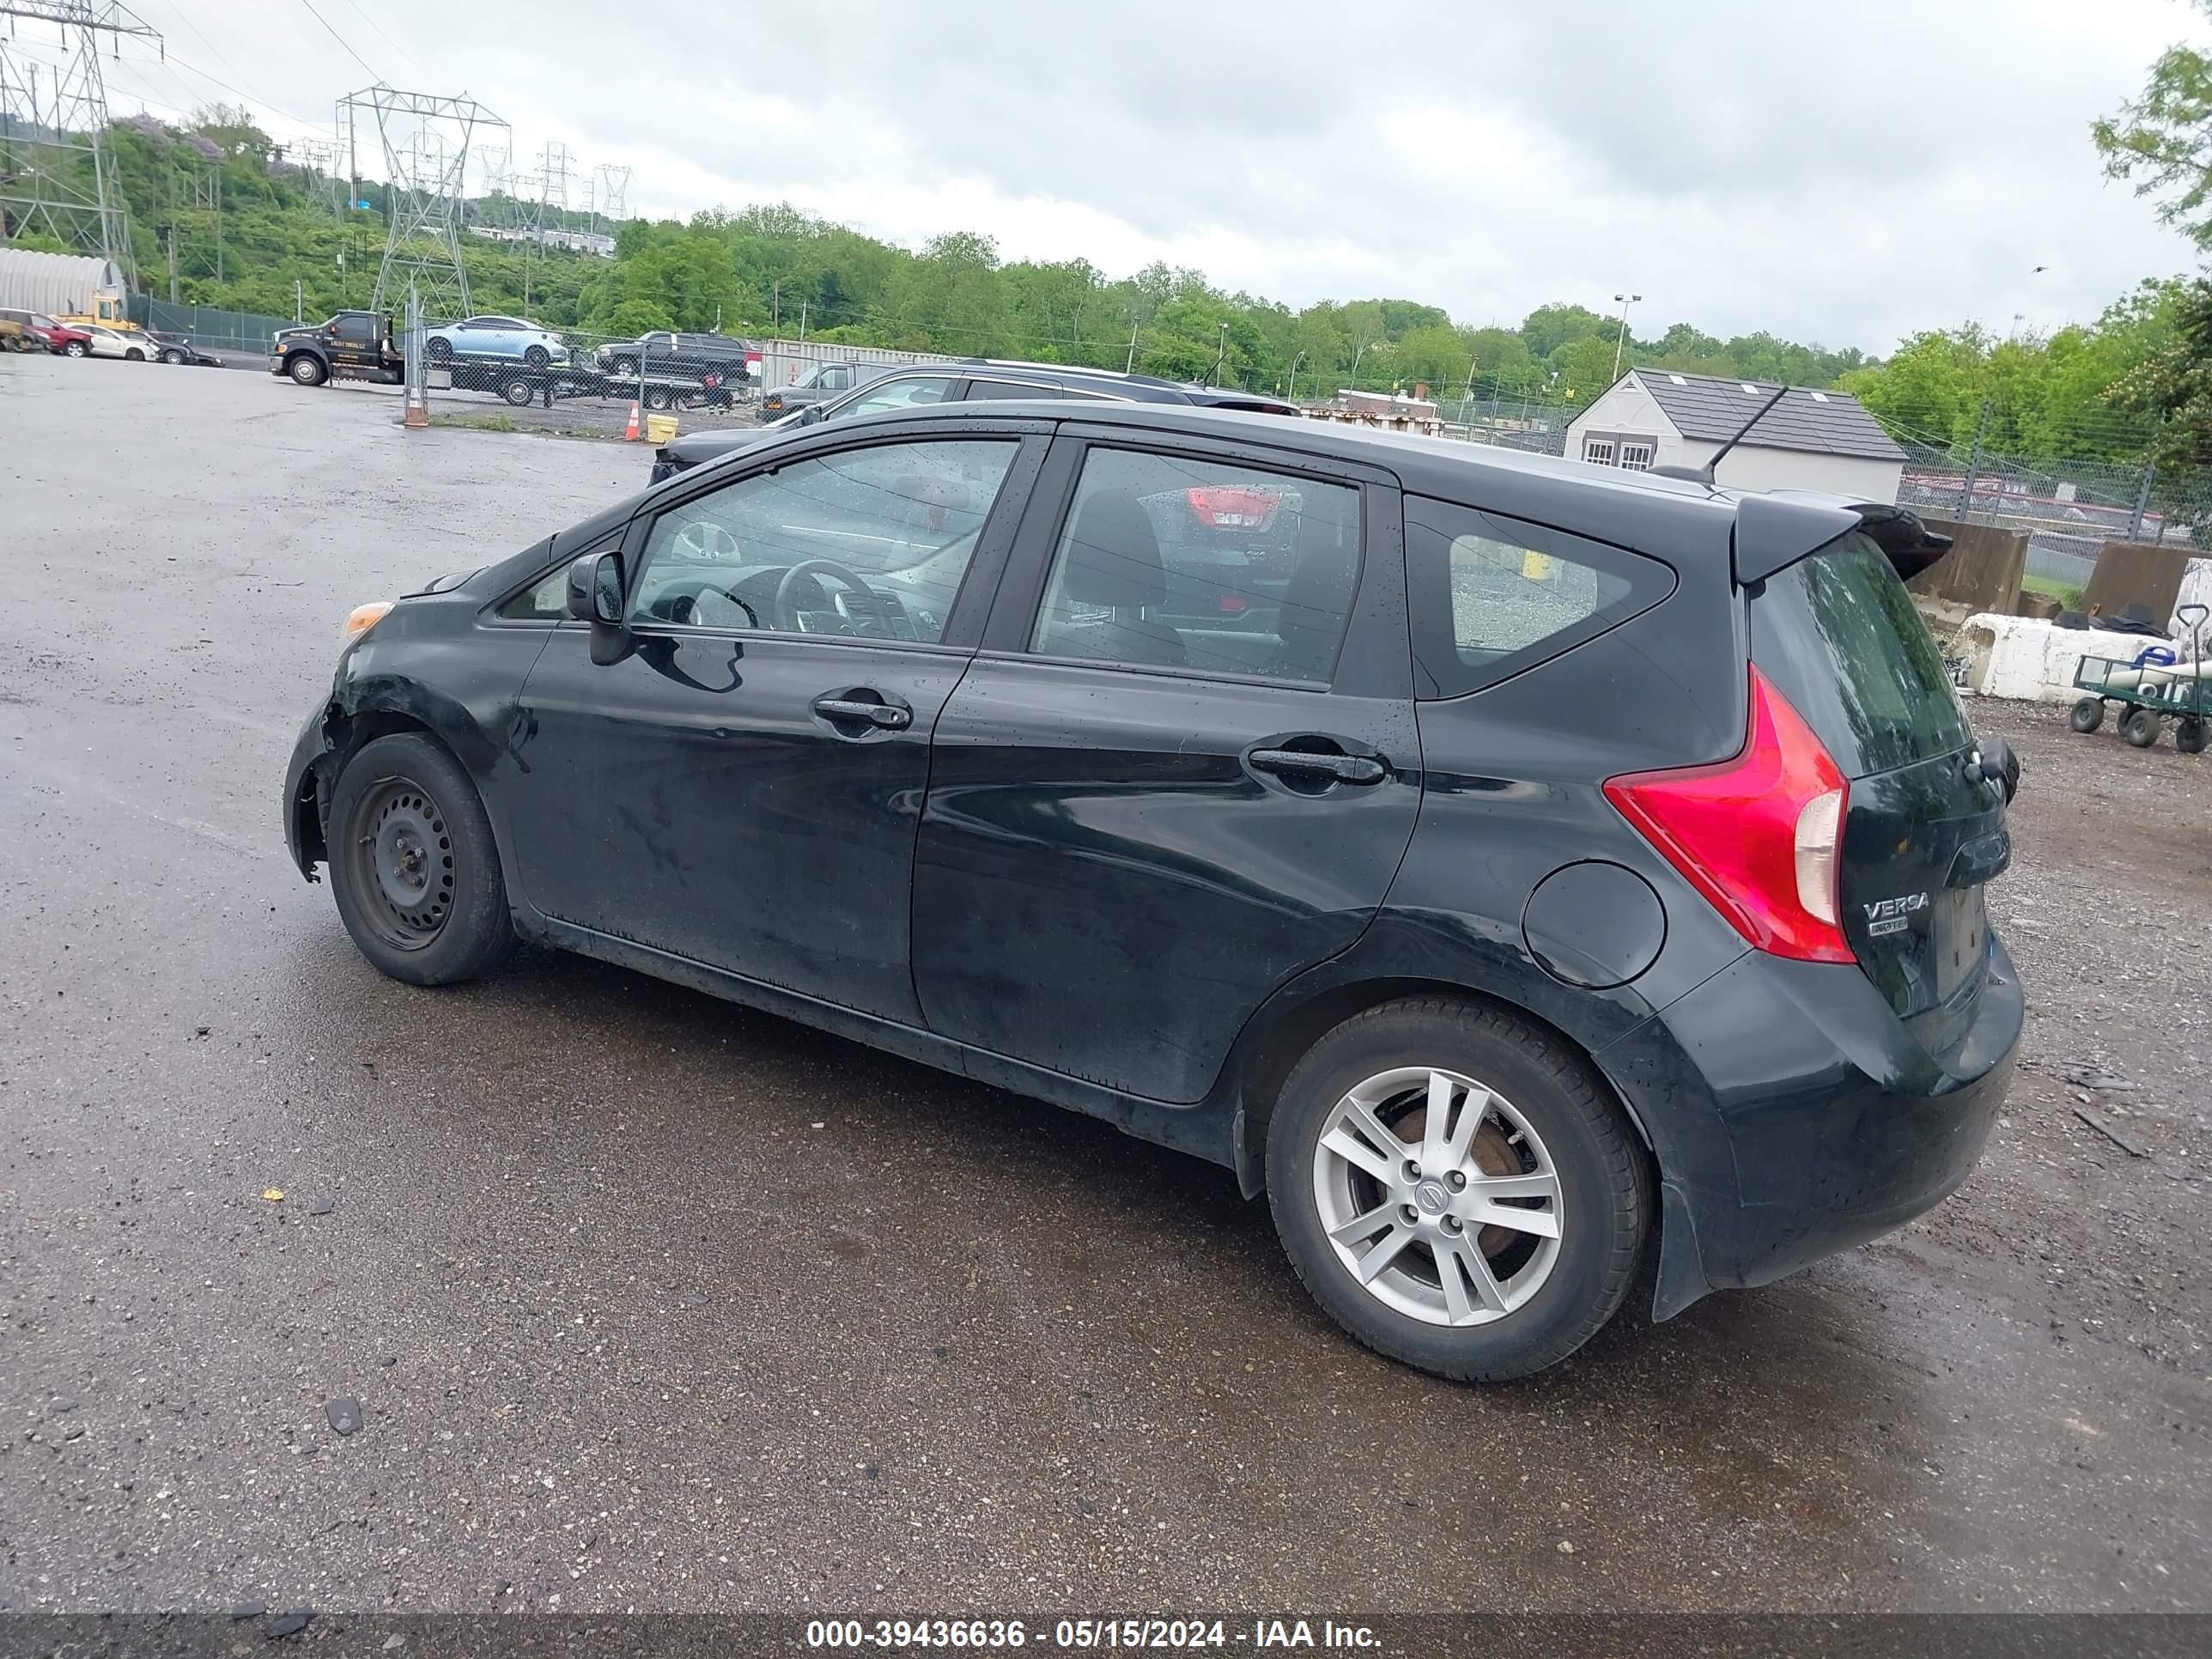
<point>786,617</point>
<point>704,542</point>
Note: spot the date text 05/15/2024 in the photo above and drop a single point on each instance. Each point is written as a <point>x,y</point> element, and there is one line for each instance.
<point>1126,1634</point>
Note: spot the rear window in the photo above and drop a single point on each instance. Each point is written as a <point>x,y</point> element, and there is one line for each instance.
<point>1838,636</point>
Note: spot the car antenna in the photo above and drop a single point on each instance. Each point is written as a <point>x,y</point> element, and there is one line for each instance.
<point>1704,475</point>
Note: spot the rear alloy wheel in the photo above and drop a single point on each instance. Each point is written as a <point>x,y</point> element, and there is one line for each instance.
<point>413,864</point>
<point>74,349</point>
<point>1457,1189</point>
<point>2088,714</point>
<point>308,369</point>
<point>2189,736</point>
<point>134,355</point>
<point>2141,728</point>
<point>537,356</point>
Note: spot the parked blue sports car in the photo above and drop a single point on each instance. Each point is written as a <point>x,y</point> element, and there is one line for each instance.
<point>496,336</point>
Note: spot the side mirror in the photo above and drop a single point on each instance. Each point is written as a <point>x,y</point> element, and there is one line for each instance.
<point>2001,765</point>
<point>595,596</point>
<point>811,414</point>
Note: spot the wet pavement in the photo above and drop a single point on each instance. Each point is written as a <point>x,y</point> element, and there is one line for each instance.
<point>644,1301</point>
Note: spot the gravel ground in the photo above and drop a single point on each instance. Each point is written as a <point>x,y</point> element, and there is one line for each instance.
<point>2107,910</point>
<point>648,1301</point>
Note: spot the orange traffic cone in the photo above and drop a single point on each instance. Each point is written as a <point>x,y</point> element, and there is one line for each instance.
<point>629,432</point>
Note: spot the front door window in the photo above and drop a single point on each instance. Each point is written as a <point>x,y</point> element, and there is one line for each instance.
<point>868,543</point>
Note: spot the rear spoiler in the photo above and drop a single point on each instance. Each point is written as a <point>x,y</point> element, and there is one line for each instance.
<point>1775,529</point>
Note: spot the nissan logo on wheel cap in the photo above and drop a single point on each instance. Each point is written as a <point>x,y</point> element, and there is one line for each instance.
<point>1432,1197</point>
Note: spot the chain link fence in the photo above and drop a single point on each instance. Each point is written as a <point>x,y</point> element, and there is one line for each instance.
<point>208,326</point>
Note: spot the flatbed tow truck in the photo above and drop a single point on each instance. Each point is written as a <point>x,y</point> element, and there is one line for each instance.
<point>359,345</point>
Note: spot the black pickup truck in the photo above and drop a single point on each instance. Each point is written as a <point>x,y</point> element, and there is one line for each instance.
<point>353,345</point>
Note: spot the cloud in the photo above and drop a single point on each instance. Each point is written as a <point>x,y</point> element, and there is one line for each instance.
<point>1844,173</point>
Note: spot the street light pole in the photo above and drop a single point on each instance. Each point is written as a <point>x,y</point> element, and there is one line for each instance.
<point>1621,340</point>
<point>1221,356</point>
<point>1295,361</point>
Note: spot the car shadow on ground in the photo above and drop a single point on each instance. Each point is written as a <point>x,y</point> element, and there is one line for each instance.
<point>1815,1358</point>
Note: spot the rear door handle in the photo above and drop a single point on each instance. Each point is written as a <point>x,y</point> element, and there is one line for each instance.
<point>887,716</point>
<point>1307,764</point>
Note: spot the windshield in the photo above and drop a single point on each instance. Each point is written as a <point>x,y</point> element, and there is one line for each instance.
<point>1839,636</point>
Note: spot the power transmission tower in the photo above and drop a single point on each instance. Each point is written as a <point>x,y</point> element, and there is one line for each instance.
<point>552,189</point>
<point>498,210</point>
<point>57,175</point>
<point>322,166</point>
<point>425,140</point>
<point>613,195</point>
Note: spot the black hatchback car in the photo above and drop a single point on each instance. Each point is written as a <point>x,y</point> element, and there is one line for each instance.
<point>1563,864</point>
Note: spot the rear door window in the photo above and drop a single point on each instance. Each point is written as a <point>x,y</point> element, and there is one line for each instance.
<point>1491,596</point>
<point>1839,636</point>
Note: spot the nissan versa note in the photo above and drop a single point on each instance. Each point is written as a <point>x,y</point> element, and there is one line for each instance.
<point>1558,865</point>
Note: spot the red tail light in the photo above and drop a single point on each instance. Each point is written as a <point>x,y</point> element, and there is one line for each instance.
<point>1759,835</point>
<point>1230,507</point>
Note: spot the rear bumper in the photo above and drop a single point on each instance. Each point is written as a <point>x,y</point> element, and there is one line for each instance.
<point>1794,1116</point>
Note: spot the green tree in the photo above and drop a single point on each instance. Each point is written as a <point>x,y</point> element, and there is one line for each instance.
<point>2162,141</point>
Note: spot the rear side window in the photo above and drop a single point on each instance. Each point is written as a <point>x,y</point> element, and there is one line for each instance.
<point>1492,596</point>
<point>1838,636</point>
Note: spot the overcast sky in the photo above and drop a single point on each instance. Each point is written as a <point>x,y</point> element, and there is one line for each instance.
<point>1844,172</point>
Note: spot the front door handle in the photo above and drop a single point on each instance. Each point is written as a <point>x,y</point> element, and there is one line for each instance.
<point>1309,763</point>
<point>886,716</point>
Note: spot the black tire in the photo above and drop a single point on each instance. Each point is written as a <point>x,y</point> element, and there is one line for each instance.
<point>518,392</point>
<point>622,365</point>
<point>657,397</point>
<point>134,355</point>
<point>2189,736</point>
<point>438,348</point>
<point>2140,727</point>
<point>2088,714</point>
<point>75,348</point>
<point>537,357</point>
<point>308,369</point>
<point>1607,1199</point>
<point>173,355</point>
<point>406,819</point>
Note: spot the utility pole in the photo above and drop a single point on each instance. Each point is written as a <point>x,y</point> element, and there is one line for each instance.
<point>1130,368</point>
<point>1220,357</point>
<point>802,322</point>
<point>1621,340</point>
<point>2143,504</point>
<point>1292,394</point>
<point>775,308</point>
<point>172,262</point>
<point>1973,465</point>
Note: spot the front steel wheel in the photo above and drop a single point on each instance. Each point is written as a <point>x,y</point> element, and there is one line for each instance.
<point>402,860</point>
<point>1438,1196</point>
<point>414,867</point>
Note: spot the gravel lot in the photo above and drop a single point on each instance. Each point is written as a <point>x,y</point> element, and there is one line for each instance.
<point>648,1301</point>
